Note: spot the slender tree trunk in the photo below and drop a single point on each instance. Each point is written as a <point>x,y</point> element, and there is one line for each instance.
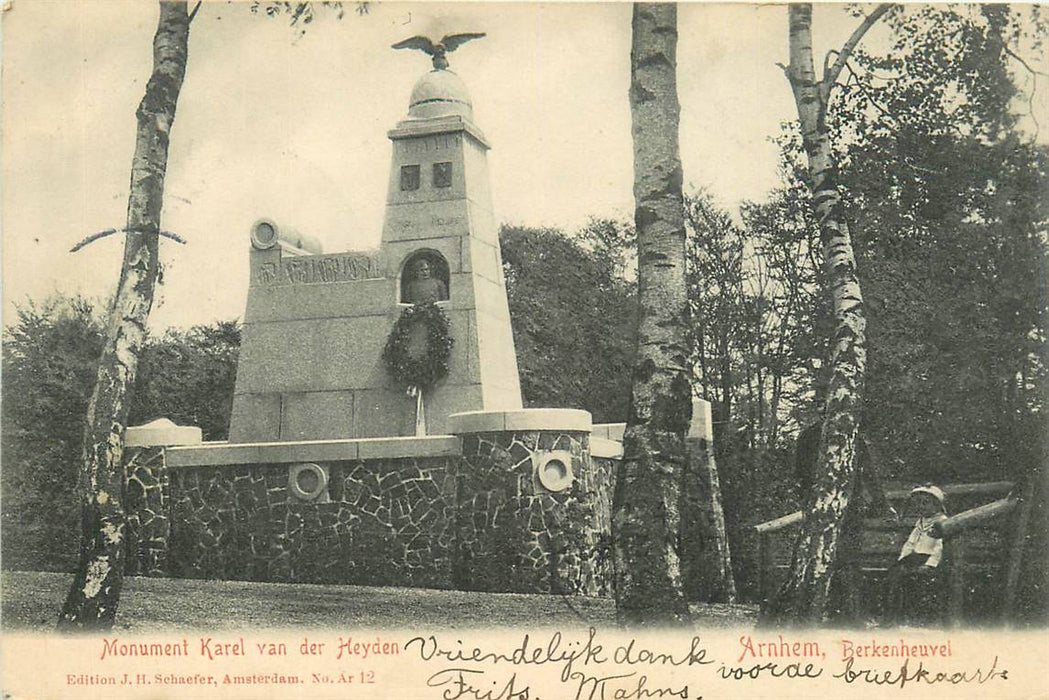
<point>726,377</point>
<point>645,517</point>
<point>93,598</point>
<point>804,596</point>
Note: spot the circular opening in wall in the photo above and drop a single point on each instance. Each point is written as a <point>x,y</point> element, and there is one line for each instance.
<point>307,481</point>
<point>555,471</point>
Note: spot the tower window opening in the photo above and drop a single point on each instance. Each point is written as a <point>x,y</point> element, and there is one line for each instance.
<point>442,174</point>
<point>409,178</point>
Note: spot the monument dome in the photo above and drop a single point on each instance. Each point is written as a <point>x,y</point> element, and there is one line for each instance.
<point>440,93</point>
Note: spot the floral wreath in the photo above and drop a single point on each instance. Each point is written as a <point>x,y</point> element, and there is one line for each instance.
<point>419,373</point>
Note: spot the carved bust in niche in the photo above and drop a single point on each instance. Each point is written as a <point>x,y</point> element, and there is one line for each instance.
<point>423,286</point>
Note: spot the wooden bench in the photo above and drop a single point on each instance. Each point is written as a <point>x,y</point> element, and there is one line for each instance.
<point>984,538</point>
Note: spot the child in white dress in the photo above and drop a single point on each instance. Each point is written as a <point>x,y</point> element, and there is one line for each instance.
<point>923,550</point>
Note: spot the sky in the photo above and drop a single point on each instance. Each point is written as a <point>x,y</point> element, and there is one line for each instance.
<point>275,123</point>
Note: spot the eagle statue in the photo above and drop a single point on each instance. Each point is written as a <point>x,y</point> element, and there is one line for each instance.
<point>440,49</point>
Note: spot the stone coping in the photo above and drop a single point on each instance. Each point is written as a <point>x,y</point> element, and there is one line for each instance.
<point>609,431</point>
<point>561,419</point>
<point>427,126</point>
<point>162,431</point>
<point>225,453</point>
<point>700,427</point>
<point>604,448</point>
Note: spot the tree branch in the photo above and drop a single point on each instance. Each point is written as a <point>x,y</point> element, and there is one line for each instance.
<point>195,8</point>
<point>920,169</point>
<point>110,231</point>
<point>1034,79</point>
<point>1009,52</point>
<point>863,89</point>
<point>826,60</point>
<point>830,76</point>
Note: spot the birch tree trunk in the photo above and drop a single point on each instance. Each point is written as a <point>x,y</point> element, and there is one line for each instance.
<point>95,593</point>
<point>804,596</point>
<point>645,517</point>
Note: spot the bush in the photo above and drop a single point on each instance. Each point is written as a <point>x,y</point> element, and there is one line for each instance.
<point>50,358</point>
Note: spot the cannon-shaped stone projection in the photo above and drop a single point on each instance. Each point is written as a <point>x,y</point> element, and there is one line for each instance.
<point>266,234</point>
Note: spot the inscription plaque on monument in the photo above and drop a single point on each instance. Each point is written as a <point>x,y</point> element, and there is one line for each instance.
<point>319,269</point>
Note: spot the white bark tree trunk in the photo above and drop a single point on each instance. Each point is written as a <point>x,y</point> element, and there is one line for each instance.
<point>804,596</point>
<point>645,519</point>
<point>95,593</point>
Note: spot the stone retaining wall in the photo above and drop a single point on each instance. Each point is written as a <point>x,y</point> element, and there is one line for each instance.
<point>547,541</point>
<point>386,522</point>
<point>146,501</point>
<point>471,513</point>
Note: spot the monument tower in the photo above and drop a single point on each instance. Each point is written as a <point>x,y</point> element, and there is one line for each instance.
<point>315,326</point>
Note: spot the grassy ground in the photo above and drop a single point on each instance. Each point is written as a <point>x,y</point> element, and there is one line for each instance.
<point>31,601</point>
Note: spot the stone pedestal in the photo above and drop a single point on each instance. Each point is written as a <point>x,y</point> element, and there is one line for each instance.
<point>146,493</point>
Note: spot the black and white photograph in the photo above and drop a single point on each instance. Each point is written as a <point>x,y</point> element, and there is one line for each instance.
<point>521,351</point>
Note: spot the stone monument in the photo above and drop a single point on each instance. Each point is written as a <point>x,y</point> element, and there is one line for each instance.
<point>315,326</point>
<point>326,477</point>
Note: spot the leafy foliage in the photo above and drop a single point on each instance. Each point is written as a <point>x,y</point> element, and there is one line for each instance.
<point>751,290</point>
<point>188,376</point>
<point>50,356</point>
<point>574,317</point>
<point>950,201</point>
<point>301,14</point>
<point>947,197</point>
